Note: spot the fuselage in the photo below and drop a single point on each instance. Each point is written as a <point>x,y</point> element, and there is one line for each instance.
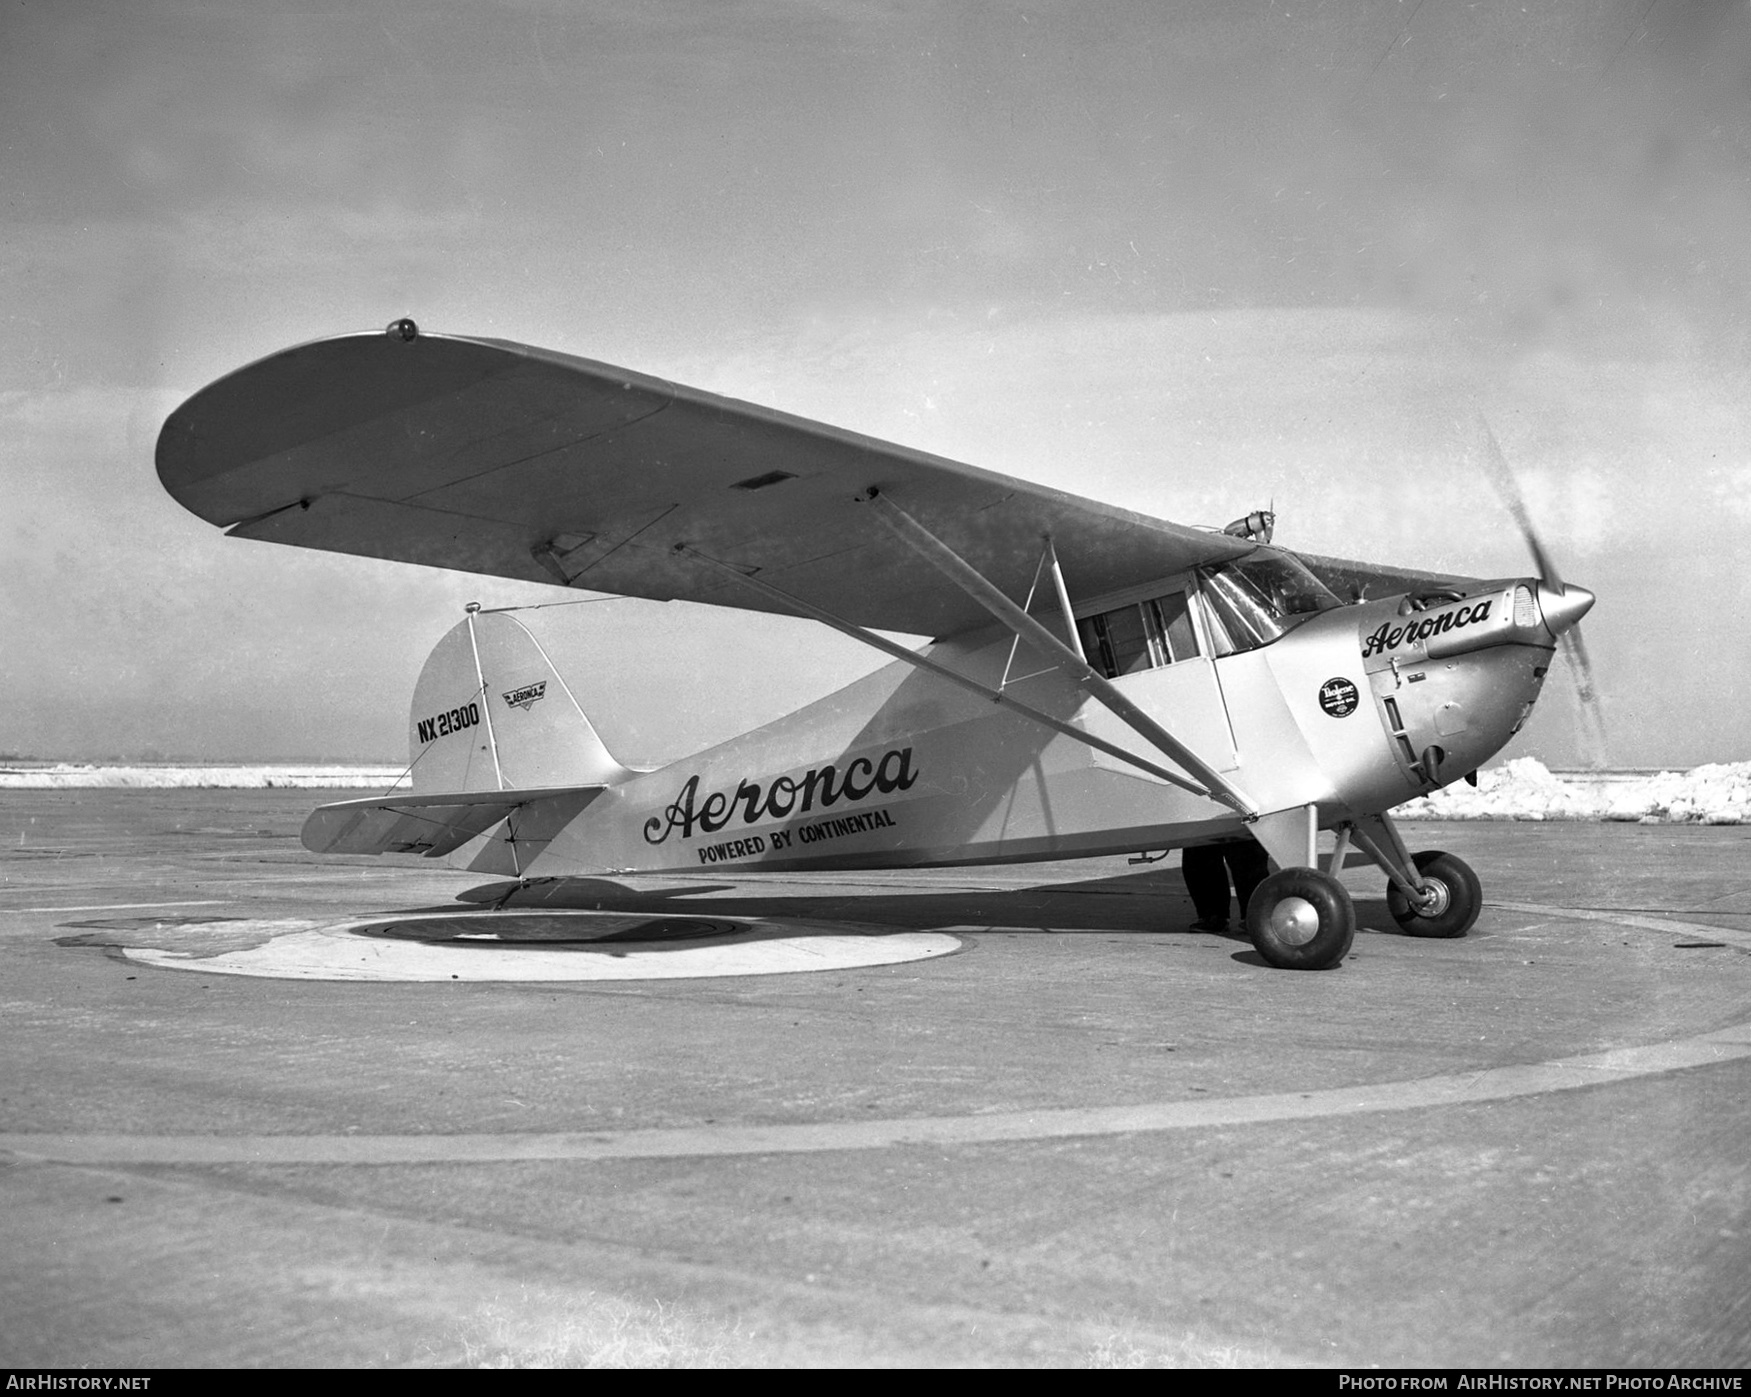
<point>1351,709</point>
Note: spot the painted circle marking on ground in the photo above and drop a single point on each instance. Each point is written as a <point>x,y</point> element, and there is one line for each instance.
<point>1456,1089</point>
<point>1728,935</point>
<point>546,947</point>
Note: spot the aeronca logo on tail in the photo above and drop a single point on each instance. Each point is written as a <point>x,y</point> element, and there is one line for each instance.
<point>751,803</point>
<point>526,697</point>
<point>1390,637</point>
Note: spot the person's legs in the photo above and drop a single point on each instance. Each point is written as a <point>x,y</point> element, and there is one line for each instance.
<point>1207,881</point>
<point>1250,865</point>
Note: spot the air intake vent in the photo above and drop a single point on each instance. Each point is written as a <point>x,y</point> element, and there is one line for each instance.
<point>1525,607</point>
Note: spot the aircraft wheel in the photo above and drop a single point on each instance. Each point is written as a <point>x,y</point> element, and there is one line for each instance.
<point>1457,901</point>
<point>1300,919</point>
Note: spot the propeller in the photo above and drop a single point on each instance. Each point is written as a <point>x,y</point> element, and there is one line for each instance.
<point>1563,605</point>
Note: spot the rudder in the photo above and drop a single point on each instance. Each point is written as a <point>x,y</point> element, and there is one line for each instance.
<point>490,712</point>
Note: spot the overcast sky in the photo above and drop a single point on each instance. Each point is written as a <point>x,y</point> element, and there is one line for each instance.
<point>1188,258</point>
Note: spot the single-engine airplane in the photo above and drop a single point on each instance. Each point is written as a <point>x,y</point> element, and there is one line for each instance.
<point>1099,682</point>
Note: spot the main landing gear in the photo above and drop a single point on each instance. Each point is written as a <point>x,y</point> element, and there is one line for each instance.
<point>1430,894</point>
<point>1301,919</point>
<point>1449,903</point>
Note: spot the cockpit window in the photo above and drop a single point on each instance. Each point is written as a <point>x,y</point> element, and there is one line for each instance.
<point>1143,635</point>
<point>1254,600</point>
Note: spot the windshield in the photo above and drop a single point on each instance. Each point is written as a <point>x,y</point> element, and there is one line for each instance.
<point>1260,597</point>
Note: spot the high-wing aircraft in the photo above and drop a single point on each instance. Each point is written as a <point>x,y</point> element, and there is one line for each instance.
<point>1098,681</point>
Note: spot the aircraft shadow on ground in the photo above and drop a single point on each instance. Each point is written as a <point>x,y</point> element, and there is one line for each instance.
<point>613,933</point>
<point>1148,901</point>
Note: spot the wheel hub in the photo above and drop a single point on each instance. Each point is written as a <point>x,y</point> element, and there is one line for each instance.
<point>1434,900</point>
<point>1294,921</point>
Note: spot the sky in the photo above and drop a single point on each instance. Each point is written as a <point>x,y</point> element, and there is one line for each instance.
<point>1192,259</point>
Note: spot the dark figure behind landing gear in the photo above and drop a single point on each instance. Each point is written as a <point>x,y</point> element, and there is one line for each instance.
<point>1208,868</point>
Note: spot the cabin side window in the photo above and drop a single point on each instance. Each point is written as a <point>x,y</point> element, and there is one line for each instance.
<point>1143,635</point>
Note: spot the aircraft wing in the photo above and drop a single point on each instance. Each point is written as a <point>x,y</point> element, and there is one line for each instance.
<point>497,458</point>
<point>1370,581</point>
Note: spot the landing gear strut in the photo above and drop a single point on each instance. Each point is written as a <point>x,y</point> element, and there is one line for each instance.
<point>1432,894</point>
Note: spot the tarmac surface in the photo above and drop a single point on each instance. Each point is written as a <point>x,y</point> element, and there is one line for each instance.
<point>996,1116</point>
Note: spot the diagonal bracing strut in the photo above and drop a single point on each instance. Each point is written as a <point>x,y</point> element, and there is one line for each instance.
<point>968,578</point>
<point>912,657</point>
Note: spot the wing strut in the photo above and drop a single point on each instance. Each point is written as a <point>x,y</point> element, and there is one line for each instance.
<point>1047,555</point>
<point>912,657</point>
<point>1072,665</point>
<point>1064,601</point>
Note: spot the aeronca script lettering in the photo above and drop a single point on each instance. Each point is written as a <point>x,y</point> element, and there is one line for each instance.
<point>785,796</point>
<point>431,729</point>
<point>1390,637</point>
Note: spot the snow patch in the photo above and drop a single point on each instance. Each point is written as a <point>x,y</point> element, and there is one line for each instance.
<point>1526,789</point>
<point>164,776</point>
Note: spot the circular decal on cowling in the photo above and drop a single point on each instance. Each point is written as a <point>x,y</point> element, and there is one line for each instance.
<point>1338,697</point>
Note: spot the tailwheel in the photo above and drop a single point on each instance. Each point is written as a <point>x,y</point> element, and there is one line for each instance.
<point>1451,904</point>
<point>1301,919</point>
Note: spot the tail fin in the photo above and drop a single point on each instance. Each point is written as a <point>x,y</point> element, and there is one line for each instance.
<point>490,713</point>
<point>503,759</point>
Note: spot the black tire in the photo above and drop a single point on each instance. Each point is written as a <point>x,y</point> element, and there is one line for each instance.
<point>1300,919</point>
<point>1460,897</point>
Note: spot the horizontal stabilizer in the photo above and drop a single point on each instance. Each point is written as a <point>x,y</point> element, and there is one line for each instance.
<point>435,825</point>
